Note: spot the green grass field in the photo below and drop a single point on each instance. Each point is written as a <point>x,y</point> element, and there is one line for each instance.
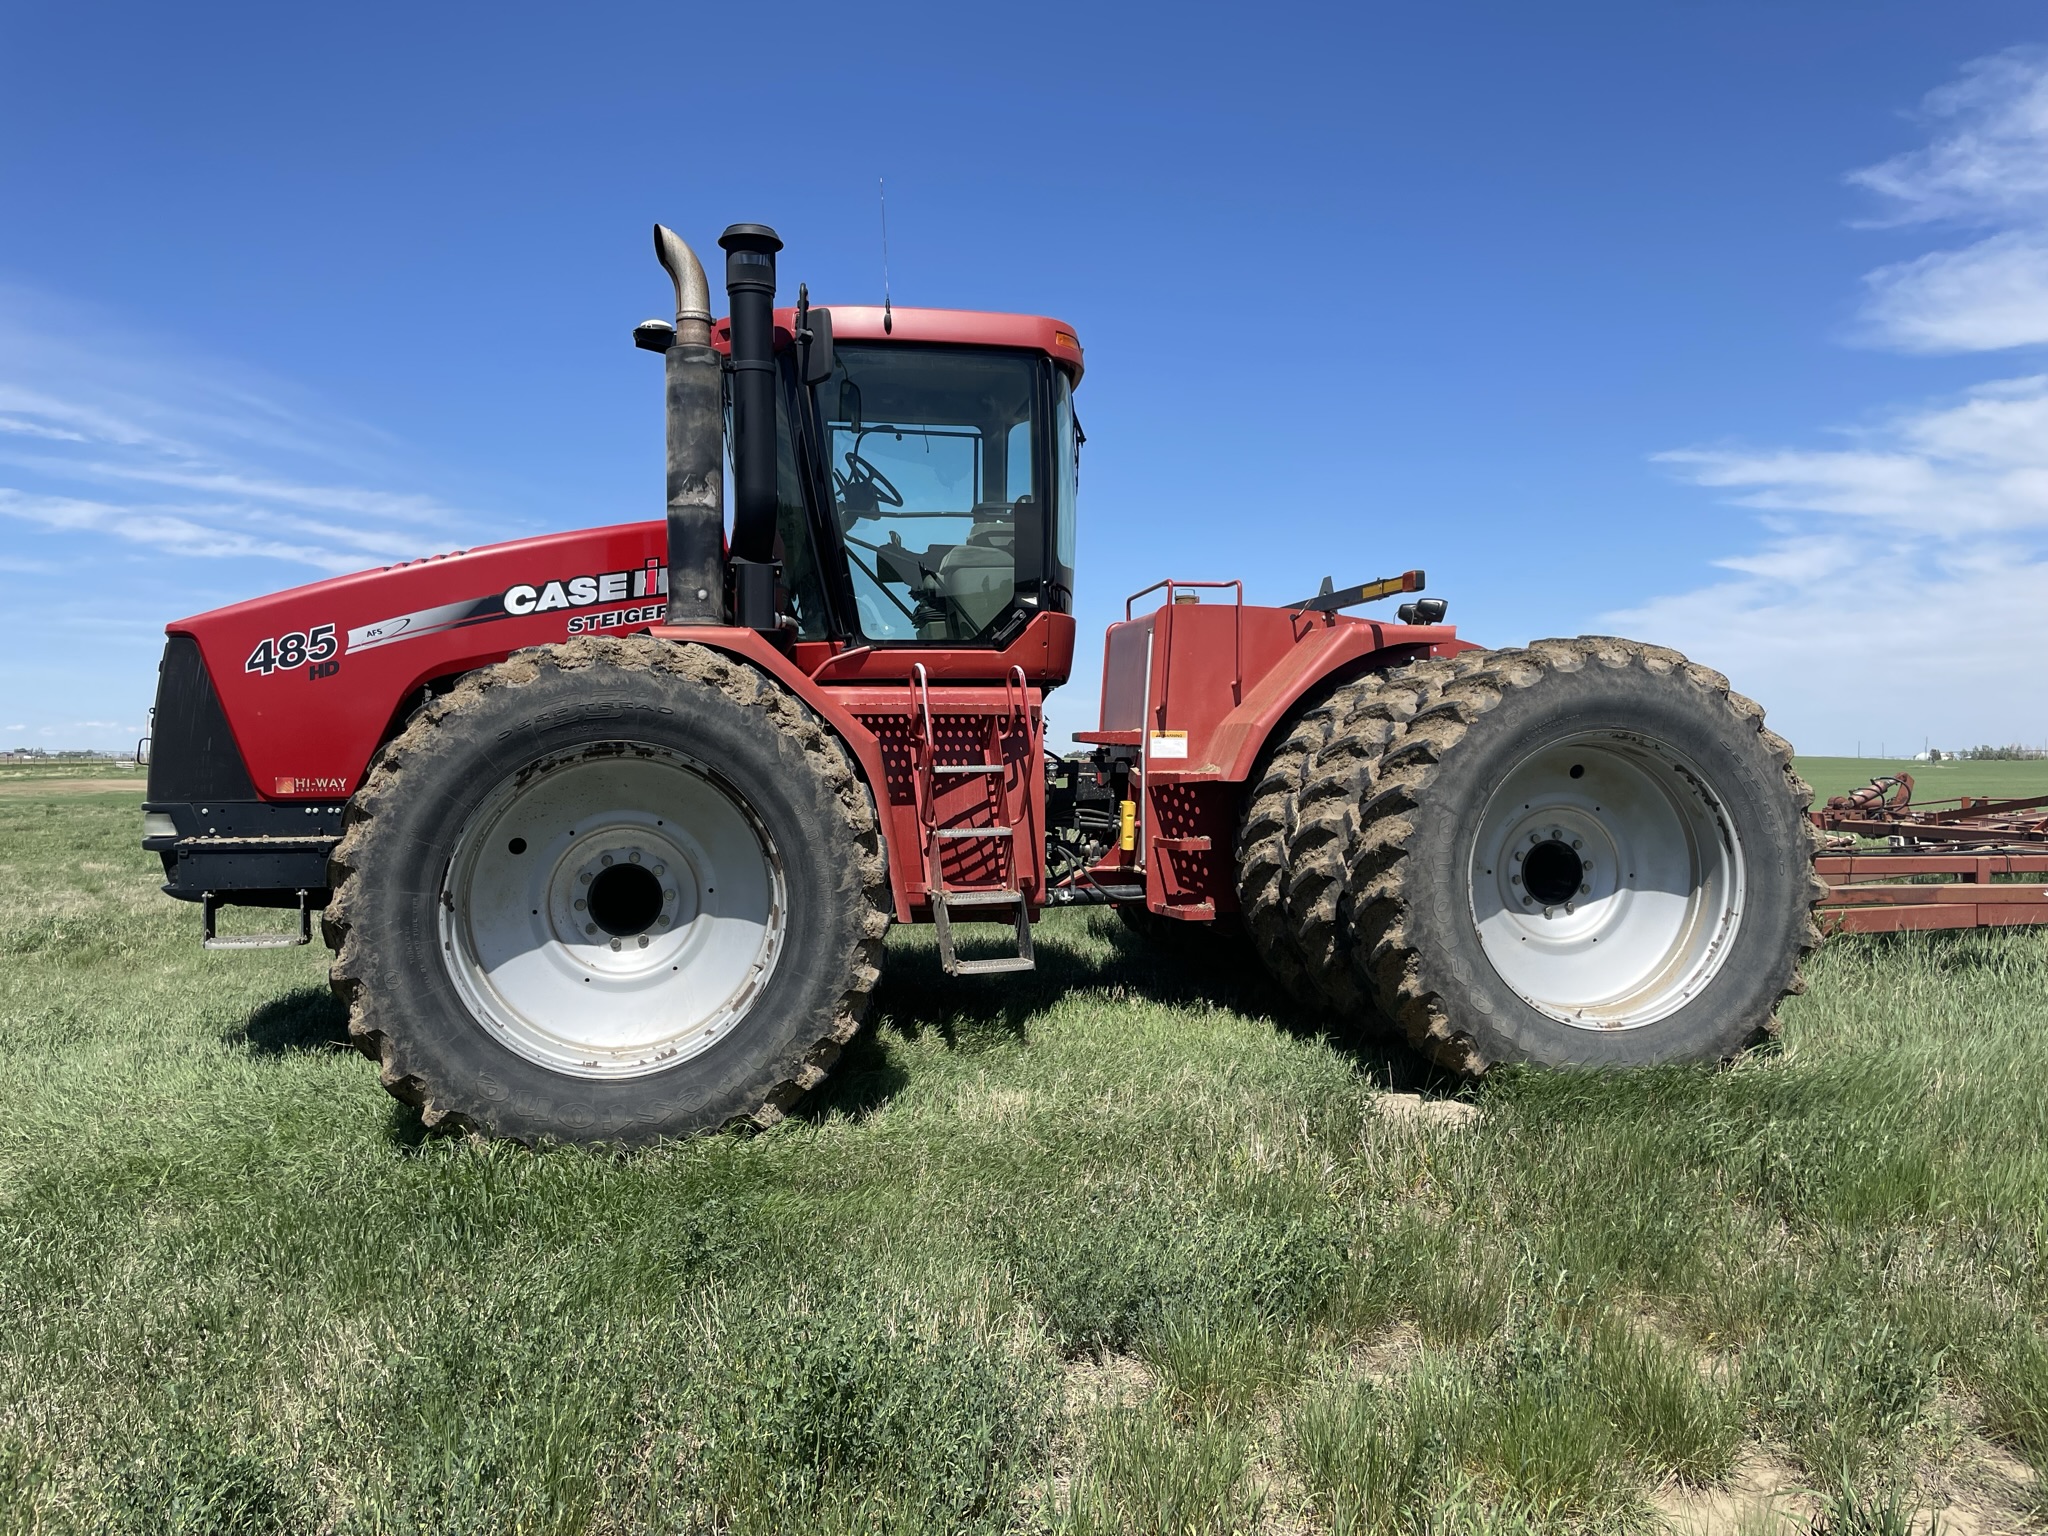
<point>1931,781</point>
<point>1126,1246</point>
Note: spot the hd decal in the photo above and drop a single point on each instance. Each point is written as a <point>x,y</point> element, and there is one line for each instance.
<point>527,598</point>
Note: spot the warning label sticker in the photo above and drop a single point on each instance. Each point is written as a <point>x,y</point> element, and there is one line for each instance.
<point>1169,744</point>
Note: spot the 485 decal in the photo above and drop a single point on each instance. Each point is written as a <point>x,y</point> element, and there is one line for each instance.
<point>288,652</point>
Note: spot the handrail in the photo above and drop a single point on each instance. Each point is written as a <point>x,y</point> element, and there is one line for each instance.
<point>1172,585</point>
<point>1021,712</point>
<point>852,654</point>
<point>921,698</point>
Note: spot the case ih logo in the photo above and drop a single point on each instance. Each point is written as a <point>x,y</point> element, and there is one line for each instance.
<point>588,591</point>
<point>527,598</point>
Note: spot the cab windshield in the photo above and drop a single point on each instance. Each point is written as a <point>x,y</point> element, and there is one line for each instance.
<point>934,459</point>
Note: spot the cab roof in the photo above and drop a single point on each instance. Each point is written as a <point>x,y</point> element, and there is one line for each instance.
<point>961,327</point>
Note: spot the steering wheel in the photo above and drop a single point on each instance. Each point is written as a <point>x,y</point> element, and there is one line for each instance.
<point>863,488</point>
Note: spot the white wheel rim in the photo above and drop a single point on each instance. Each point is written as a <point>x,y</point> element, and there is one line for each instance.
<point>613,913</point>
<point>1657,898</point>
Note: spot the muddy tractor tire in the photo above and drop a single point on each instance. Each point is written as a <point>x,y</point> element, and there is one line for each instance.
<point>613,890</point>
<point>1583,852</point>
<point>1262,851</point>
<point>1298,825</point>
<point>1341,777</point>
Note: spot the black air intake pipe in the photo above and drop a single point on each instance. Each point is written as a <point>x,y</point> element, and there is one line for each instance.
<point>750,289</point>
<point>696,444</point>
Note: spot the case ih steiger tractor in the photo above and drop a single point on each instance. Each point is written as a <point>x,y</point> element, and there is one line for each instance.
<point>606,827</point>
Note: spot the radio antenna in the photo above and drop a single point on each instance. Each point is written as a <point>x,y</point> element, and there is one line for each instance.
<point>882,192</point>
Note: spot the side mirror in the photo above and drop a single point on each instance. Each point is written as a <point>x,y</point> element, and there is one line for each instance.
<point>818,358</point>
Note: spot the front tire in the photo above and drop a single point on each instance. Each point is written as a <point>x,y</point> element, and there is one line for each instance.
<point>613,890</point>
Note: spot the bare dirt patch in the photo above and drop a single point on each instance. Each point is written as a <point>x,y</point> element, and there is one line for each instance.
<point>1985,1491</point>
<point>1759,1495</point>
<point>1414,1109</point>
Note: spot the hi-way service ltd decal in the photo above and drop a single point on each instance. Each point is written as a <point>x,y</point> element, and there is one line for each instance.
<point>525,598</point>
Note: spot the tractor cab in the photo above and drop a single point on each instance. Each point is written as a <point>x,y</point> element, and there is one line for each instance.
<point>927,463</point>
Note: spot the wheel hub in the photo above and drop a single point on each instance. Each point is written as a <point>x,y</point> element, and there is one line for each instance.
<point>627,899</point>
<point>622,896</point>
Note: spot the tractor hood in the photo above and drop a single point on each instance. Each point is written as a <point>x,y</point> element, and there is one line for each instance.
<point>309,679</point>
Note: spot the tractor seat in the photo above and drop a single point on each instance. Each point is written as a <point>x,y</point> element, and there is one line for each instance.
<point>976,579</point>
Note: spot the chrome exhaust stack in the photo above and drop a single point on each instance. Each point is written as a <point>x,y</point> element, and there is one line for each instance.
<point>696,439</point>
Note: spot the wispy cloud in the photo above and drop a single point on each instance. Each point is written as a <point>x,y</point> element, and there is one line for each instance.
<point>1972,466</point>
<point>139,483</point>
<point>1987,165</point>
<point>1901,586</point>
<point>189,459</point>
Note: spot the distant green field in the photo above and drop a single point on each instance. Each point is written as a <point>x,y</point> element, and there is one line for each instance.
<point>1128,1245</point>
<point>1931,781</point>
<point>65,768</point>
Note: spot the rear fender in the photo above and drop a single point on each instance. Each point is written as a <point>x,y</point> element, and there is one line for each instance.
<point>1325,658</point>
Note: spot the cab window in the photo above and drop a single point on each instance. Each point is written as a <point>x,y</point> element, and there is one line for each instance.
<point>933,454</point>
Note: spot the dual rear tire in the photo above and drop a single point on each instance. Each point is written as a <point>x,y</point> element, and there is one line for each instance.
<point>1582,852</point>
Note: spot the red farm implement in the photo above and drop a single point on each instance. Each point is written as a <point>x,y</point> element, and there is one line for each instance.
<point>1973,862</point>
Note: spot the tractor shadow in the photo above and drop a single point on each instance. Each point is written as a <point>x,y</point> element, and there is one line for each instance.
<point>1089,952</point>
<point>305,1019</point>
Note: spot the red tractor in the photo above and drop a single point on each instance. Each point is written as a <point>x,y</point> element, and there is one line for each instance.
<point>606,828</point>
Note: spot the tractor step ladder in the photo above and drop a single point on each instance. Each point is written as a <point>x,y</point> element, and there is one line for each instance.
<point>946,899</point>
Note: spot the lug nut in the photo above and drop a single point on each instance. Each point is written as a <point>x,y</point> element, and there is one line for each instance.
<point>616,944</point>
<point>606,859</point>
<point>1577,844</point>
<point>584,877</point>
<point>590,927</point>
<point>634,856</point>
<point>661,869</point>
<point>1585,890</point>
<point>581,903</point>
<point>1546,914</point>
<point>1514,879</point>
<point>643,941</point>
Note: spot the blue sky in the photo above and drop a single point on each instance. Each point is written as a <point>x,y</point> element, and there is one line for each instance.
<point>1719,324</point>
